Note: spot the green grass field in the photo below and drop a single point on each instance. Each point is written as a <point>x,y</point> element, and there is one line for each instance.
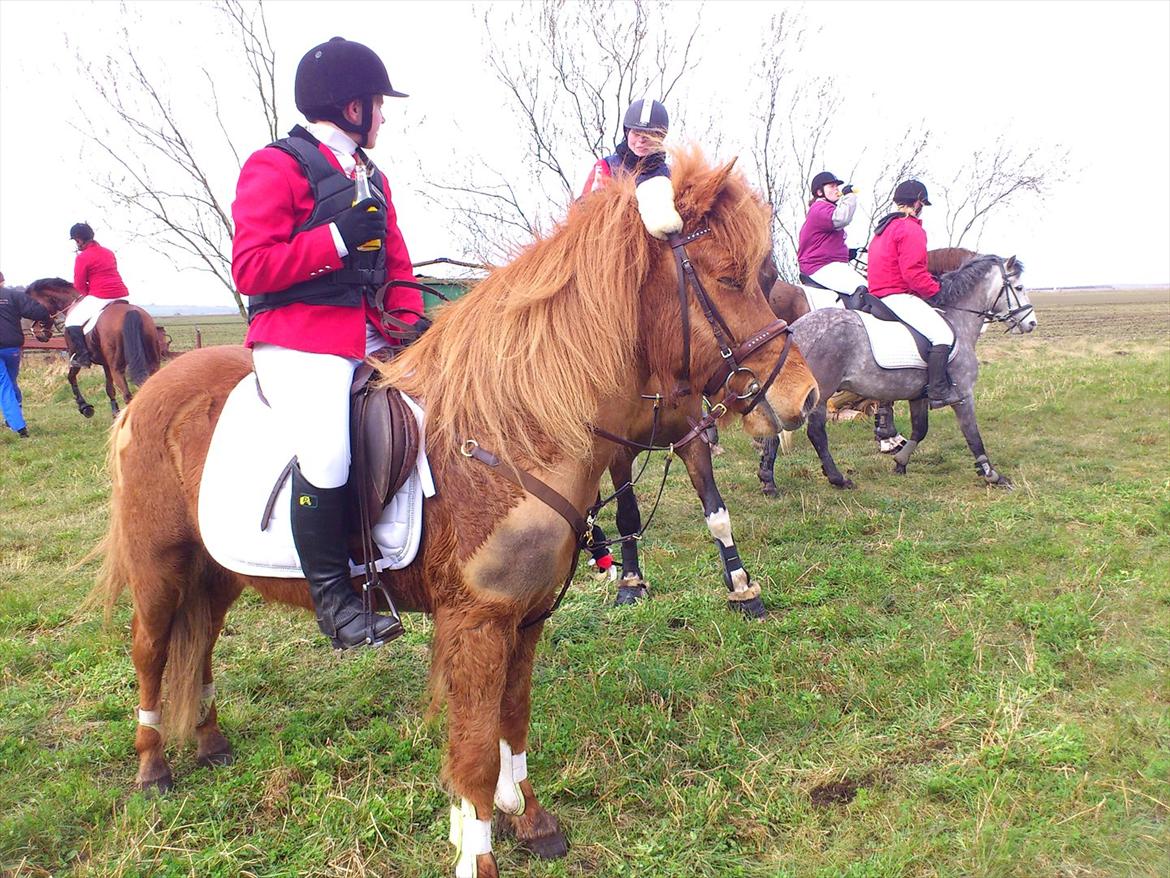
<point>953,680</point>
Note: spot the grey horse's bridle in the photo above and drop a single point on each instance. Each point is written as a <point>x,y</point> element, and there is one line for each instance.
<point>1015,311</point>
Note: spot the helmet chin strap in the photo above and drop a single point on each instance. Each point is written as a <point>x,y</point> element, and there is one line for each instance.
<point>364,127</point>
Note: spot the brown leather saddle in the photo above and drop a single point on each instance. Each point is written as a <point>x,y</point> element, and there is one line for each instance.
<point>384,442</point>
<point>383,435</point>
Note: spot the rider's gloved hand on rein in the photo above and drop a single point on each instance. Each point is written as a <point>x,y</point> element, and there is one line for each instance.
<point>359,224</point>
<point>656,207</point>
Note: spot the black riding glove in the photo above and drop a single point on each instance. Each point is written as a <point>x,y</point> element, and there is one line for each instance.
<point>359,224</point>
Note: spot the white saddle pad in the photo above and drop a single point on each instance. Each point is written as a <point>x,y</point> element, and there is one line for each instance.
<point>893,345</point>
<point>818,298</point>
<point>247,455</point>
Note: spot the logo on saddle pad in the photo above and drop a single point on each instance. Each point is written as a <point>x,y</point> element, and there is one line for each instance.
<point>307,500</point>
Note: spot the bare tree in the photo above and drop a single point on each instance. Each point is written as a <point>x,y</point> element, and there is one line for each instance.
<point>161,169</point>
<point>568,70</point>
<point>994,178</point>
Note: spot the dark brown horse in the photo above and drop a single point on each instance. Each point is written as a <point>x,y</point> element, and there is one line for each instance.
<point>124,341</point>
<point>504,369</point>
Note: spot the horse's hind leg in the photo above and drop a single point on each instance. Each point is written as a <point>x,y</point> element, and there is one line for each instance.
<point>919,425</point>
<point>743,594</point>
<point>212,747</point>
<point>967,423</point>
<point>472,649</point>
<point>818,435</point>
<point>110,390</point>
<point>154,610</point>
<point>83,405</point>
<point>521,815</point>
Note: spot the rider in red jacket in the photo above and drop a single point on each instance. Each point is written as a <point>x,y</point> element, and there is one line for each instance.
<point>96,277</point>
<point>311,260</point>
<point>898,276</point>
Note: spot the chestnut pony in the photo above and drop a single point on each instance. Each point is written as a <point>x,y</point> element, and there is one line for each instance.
<point>512,367</point>
<point>124,341</point>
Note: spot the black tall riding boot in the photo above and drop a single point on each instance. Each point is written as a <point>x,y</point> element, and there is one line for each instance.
<point>318,528</point>
<point>78,351</point>
<point>939,388</point>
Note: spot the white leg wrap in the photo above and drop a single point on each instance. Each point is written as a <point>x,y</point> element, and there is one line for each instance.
<point>719,523</point>
<point>513,769</point>
<point>152,719</point>
<point>471,838</point>
<point>205,702</point>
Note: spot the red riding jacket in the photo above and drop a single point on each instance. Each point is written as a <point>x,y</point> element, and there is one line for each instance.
<point>273,198</point>
<point>95,273</point>
<point>897,260</point>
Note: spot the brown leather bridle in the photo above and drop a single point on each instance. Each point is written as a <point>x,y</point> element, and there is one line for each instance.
<point>732,356</point>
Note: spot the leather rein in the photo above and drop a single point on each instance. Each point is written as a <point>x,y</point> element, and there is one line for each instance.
<point>732,357</point>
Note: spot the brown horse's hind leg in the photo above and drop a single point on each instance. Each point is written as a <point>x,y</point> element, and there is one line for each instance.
<point>151,631</point>
<point>534,828</point>
<point>110,390</point>
<point>213,748</point>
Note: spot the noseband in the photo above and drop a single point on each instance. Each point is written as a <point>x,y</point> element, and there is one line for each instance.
<point>732,354</point>
<point>1015,312</point>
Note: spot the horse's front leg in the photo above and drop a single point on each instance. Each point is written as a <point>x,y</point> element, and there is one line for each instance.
<point>633,586</point>
<point>770,447</point>
<point>965,412</point>
<point>521,815</point>
<point>818,435</point>
<point>472,646</point>
<point>83,405</point>
<point>919,425</point>
<point>110,390</point>
<point>885,431</point>
<point>743,594</point>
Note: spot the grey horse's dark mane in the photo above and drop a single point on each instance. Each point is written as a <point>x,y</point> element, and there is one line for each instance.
<point>958,284</point>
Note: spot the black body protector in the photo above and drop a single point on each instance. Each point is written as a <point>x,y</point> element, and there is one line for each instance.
<point>362,273</point>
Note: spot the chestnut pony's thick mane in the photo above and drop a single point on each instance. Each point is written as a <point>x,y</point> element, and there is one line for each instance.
<point>522,362</point>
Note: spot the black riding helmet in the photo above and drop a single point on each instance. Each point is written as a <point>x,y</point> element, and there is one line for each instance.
<point>646,115</point>
<point>821,180</point>
<point>81,232</point>
<point>335,73</point>
<point>910,191</point>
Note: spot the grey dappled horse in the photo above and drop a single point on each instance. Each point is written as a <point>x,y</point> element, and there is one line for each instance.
<point>836,347</point>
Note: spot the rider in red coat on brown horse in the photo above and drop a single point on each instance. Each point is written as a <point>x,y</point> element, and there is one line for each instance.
<point>311,255</point>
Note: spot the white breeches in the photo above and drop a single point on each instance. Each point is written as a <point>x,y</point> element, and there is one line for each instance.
<point>309,394</point>
<point>838,276</point>
<point>921,316</point>
<point>85,309</point>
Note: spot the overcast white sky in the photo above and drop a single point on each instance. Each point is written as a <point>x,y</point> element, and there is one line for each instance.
<point>1091,76</point>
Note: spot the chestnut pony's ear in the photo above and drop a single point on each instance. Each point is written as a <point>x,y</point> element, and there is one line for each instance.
<point>699,195</point>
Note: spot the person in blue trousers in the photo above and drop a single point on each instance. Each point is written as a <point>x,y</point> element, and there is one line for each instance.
<point>14,304</point>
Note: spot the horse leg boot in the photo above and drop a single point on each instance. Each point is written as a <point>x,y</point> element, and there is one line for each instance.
<point>78,350</point>
<point>318,528</point>
<point>889,440</point>
<point>939,386</point>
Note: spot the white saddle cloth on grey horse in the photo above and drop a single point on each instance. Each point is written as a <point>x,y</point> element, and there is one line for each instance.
<point>892,344</point>
<point>246,457</point>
